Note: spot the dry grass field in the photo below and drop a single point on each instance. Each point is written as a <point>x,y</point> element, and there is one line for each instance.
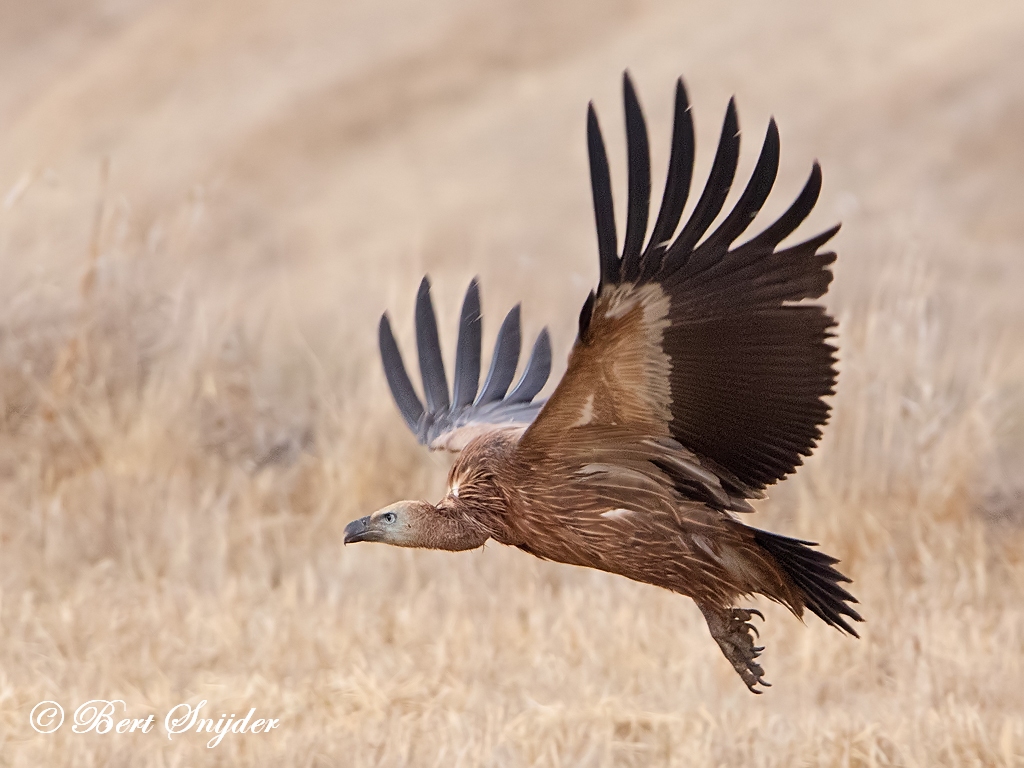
<point>205,207</point>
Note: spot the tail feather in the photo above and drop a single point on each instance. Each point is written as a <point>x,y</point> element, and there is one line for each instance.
<point>812,573</point>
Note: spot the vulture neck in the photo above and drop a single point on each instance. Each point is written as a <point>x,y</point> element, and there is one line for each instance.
<point>483,489</point>
<point>452,533</point>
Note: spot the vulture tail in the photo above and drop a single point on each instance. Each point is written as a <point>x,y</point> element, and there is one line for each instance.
<point>812,573</point>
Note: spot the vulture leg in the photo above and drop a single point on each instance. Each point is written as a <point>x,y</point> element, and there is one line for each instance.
<point>735,635</point>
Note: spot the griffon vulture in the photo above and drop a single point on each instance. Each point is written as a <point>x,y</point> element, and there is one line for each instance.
<point>697,379</point>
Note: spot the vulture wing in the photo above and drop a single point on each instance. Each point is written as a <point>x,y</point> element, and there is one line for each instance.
<point>692,338</point>
<point>450,422</point>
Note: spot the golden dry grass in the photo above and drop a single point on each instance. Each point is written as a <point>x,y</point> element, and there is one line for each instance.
<point>191,407</point>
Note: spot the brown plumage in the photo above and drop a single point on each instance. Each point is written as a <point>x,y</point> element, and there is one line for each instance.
<point>697,379</point>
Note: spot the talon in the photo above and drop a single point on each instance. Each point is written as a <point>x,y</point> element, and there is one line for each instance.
<point>736,637</point>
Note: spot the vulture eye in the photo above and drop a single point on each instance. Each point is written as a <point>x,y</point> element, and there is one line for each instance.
<point>390,517</point>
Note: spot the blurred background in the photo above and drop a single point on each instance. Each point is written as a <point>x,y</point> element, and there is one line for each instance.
<point>206,206</point>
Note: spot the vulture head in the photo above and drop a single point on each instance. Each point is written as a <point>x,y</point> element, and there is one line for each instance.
<point>402,524</point>
<point>420,524</point>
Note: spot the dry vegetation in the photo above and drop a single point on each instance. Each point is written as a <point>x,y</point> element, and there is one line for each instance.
<point>191,407</point>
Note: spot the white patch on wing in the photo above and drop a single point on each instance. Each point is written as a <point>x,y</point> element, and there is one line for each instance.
<point>587,415</point>
<point>454,490</point>
<point>618,514</point>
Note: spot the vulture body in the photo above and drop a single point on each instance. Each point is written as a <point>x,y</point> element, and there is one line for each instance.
<point>697,379</point>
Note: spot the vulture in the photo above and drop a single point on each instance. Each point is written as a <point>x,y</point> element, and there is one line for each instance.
<point>698,377</point>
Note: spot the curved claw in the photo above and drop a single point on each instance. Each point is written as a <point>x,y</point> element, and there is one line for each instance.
<point>758,679</point>
<point>735,636</point>
<point>757,673</point>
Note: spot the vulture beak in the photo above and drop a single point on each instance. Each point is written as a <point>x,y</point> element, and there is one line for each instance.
<point>359,530</point>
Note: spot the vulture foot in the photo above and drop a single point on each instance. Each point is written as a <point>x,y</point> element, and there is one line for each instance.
<point>735,635</point>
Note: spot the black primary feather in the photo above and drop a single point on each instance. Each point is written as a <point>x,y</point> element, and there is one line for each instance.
<point>604,211</point>
<point>711,200</point>
<point>750,202</point>
<point>504,360</point>
<point>435,382</point>
<point>538,368</point>
<point>468,350</point>
<point>787,223</point>
<point>639,200</point>
<point>677,184</point>
<point>408,403</point>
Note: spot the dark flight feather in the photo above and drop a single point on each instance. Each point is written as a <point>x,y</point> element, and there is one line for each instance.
<point>677,184</point>
<point>538,369</point>
<point>604,211</point>
<point>710,203</point>
<point>639,201</point>
<point>408,402</point>
<point>505,359</point>
<point>747,207</point>
<point>435,382</point>
<point>467,352</point>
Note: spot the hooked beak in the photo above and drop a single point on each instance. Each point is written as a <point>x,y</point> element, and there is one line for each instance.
<point>359,530</point>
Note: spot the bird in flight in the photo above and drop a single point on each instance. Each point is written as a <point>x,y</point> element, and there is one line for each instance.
<point>696,380</point>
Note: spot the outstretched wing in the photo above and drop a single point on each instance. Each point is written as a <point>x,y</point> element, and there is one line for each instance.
<point>451,422</point>
<point>694,339</point>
